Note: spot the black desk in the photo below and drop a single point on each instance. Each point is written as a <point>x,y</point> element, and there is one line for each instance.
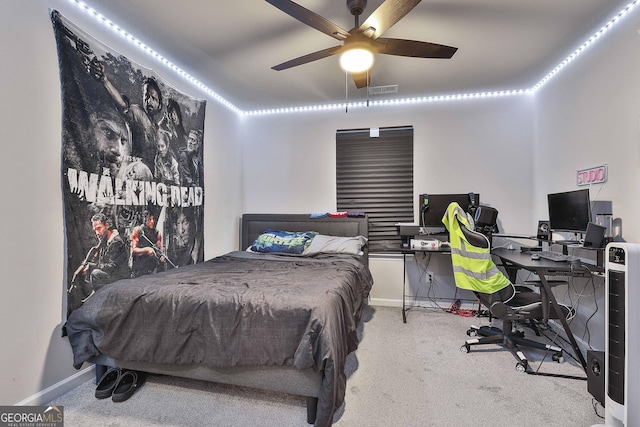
<point>514,260</point>
<point>405,252</point>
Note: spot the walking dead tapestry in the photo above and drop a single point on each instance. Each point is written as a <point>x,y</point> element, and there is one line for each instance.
<point>132,167</point>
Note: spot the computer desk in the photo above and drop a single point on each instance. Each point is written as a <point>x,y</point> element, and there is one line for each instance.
<point>514,260</point>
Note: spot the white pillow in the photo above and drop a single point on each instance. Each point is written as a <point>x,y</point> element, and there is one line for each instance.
<point>334,244</point>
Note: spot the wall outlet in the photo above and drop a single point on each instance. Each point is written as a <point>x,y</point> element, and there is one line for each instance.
<point>429,277</point>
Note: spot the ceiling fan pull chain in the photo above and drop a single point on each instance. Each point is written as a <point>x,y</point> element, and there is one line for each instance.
<point>367,88</point>
<point>346,92</point>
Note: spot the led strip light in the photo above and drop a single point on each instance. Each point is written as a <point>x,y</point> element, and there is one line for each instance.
<point>329,107</point>
<point>155,55</point>
<point>606,27</point>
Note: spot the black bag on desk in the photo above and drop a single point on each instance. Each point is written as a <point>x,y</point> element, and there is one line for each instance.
<point>594,237</point>
<point>486,221</point>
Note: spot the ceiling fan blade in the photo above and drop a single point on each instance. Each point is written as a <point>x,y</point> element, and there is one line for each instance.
<point>386,15</point>
<point>310,18</point>
<point>413,48</point>
<point>362,79</point>
<point>324,53</point>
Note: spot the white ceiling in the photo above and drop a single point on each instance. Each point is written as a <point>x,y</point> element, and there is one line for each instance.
<point>231,45</point>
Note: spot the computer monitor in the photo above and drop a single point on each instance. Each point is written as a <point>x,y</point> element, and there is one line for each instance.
<point>433,206</point>
<point>569,211</point>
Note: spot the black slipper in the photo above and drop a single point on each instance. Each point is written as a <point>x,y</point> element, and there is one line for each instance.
<point>107,383</point>
<point>127,384</point>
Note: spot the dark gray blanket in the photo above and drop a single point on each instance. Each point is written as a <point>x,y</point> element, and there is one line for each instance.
<point>233,310</point>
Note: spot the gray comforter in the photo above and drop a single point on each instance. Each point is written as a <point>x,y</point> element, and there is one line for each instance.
<point>233,310</point>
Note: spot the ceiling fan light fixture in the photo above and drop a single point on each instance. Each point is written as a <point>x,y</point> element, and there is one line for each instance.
<point>356,60</point>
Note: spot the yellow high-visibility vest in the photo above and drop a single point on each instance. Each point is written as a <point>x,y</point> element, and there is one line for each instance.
<point>473,268</point>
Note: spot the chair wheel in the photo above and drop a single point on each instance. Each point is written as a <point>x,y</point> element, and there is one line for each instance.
<point>521,367</point>
<point>557,358</point>
<point>466,348</point>
<point>472,333</point>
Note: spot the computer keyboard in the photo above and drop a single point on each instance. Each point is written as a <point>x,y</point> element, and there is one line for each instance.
<point>567,242</point>
<point>555,256</point>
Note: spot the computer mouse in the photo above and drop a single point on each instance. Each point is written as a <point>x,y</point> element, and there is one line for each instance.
<point>535,256</point>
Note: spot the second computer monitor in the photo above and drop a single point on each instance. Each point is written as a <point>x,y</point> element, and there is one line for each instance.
<point>433,206</point>
<point>569,211</point>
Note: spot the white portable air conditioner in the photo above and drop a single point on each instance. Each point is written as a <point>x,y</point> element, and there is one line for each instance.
<point>622,335</point>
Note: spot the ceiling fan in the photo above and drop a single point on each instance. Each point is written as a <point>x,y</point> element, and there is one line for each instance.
<point>365,37</point>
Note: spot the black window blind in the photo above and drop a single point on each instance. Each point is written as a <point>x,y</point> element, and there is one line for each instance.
<point>374,175</point>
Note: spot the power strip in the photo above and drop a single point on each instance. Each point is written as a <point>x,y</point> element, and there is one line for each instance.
<point>422,244</point>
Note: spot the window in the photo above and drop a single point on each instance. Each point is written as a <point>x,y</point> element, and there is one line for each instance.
<point>374,175</point>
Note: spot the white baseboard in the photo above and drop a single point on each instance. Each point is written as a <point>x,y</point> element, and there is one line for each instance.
<point>385,302</point>
<point>466,305</point>
<point>59,388</point>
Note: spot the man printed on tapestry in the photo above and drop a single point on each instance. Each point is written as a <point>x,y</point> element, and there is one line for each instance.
<point>132,167</point>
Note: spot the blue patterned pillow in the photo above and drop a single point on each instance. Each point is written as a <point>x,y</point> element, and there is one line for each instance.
<point>289,242</point>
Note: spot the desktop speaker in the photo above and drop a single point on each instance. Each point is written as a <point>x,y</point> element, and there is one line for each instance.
<point>595,375</point>
<point>594,237</point>
<point>544,230</point>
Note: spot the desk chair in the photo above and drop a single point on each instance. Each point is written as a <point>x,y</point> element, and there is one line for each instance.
<point>474,269</point>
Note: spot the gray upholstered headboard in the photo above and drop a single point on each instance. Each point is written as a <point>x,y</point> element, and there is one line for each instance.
<point>252,225</point>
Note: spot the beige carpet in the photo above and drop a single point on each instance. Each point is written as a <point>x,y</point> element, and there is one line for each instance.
<point>409,374</point>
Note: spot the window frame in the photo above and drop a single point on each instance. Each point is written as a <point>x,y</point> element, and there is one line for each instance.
<point>374,175</point>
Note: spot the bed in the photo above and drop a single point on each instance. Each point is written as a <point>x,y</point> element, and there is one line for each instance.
<point>274,321</point>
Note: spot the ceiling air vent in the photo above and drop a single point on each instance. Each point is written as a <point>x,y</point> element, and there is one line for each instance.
<point>383,90</point>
